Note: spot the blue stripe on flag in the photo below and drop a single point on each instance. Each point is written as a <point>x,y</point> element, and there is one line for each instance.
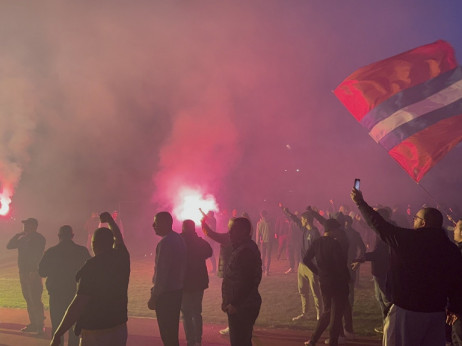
<point>412,127</point>
<point>410,96</point>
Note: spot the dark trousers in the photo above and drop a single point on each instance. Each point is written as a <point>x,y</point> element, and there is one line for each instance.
<point>168,316</point>
<point>457,333</point>
<point>32,288</point>
<point>241,326</point>
<point>191,307</point>
<point>334,299</point>
<point>59,301</point>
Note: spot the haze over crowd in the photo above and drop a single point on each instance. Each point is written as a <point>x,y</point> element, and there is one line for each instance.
<point>116,105</point>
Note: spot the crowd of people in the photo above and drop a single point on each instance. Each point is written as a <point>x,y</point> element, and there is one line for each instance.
<point>417,274</point>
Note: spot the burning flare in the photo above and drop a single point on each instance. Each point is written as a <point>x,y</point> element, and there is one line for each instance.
<point>5,200</point>
<point>189,200</point>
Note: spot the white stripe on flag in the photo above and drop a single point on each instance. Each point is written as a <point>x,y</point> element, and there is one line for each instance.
<point>439,100</point>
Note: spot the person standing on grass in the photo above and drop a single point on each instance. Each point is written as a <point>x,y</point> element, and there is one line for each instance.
<point>225,251</point>
<point>59,265</point>
<point>306,279</point>
<point>30,245</point>
<point>241,299</point>
<point>196,280</point>
<point>100,304</point>
<point>168,280</point>
<point>426,276</point>
<point>327,257</point>
<point>265,236</point>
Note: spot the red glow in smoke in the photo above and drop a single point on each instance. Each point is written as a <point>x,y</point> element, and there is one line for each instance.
<point>5,200</point>
<point>189,200</point>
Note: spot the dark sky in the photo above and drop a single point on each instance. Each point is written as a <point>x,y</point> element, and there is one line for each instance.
<point>115,105</point>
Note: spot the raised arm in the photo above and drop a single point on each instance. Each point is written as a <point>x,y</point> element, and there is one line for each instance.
<point>118,239</point>
<point>290,216</point>
<point>221,238</point>
<point>15,241</point>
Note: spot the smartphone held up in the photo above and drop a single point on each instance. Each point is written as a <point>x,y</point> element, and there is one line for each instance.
<point>357,184</point>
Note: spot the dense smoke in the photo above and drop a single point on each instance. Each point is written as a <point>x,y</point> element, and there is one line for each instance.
<point>116,105</point>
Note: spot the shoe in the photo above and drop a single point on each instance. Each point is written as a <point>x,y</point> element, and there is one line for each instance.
<point>308,343</point>
<point>378,330</point>
<point>40,331</point>
<point>350,335</point>
<point>30,328</point>
<point>224,331</point>
<point>288,271</point>
<point>341,340</point>
<point>300,317</point>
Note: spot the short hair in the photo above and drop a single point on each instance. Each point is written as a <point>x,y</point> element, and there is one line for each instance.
<point>165,218</point>
<point>189,226</point>
<point>242,225</point>
<point>433,217</point>
<point>104,237</point>
<point>65,232</point>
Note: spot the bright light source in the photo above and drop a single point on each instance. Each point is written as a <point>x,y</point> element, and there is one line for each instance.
<point>189,200</point>
<point>5,201</point>
<point>288,146</point>
<point>297,170</point>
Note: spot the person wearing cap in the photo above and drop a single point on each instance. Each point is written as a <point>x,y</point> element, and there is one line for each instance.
<point>30,245</point>
<point>327,258</point>
<point>59,265</point>
<point>426,276</point>
<point>99,307</point>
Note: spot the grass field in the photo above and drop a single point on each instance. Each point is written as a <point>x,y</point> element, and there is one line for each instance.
<point>281,300</point>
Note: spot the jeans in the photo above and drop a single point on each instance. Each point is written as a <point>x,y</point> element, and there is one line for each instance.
<point>32,288</point>
<point>241,326</point>
<point>168,316</point>
<point>335,299</point>
<point>191,307</point>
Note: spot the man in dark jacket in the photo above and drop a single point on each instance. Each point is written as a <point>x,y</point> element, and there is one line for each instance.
<point>426,276</point>
<point>196,280</point>
<point>241,299</point>
<point>327,258</point>
<point>100,304</point>
<point>30,245</point>
<point>59,265</point>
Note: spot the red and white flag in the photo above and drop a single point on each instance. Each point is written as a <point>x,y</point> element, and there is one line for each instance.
<point>411,104</point>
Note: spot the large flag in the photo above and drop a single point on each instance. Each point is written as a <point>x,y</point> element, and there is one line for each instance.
<point>411,104</point>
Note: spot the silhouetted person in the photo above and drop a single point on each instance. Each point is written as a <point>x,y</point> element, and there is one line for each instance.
<point>196,280</point>
<point>212,222</point>
<point>380,265</point>
<point>168,278</point>
<point>330,254</point>
<point>59,265</point>
<point>30,245</point>
<point>307,280</point>
<point>225,251</point>
<point>426,276</point>
<point>241,299</point>
<point>456,320</point>
<point>265,237</point>
<point>100,304</point>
